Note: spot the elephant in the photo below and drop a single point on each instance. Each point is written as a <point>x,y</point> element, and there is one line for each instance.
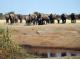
<point>57,17</point>
<point>45,18</point>
<point>15,18</point>
<point>39,19</point>
<point>7,18</point>
<point>31,19</point>
<point>73,18</point>
<point>28,19</point>
<point>78,16</point>
<point>63,17</point>
<point>20,17</point>
<point>53,17</point>
<point>11,17</point>
<point>34,19</point>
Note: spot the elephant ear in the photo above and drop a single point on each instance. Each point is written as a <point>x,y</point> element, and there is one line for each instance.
<point>12,15</point>
<point>7,16</point>
<point>45,16</point>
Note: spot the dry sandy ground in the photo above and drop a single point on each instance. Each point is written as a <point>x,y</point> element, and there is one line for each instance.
<point>52,35</point>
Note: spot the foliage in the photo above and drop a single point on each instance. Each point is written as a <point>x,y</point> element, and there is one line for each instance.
<point>1,15</point>
<point>12,12</point>
<point>10,50</point>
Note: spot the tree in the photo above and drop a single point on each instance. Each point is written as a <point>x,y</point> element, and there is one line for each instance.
<point>11,12</point>
<point>1,15</point>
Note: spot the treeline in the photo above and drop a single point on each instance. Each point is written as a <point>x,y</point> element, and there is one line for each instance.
<point>1,16</point>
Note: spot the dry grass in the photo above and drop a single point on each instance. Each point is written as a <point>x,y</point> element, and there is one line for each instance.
<point>54,35</point>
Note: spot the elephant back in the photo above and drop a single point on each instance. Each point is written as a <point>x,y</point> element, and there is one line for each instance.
<point>44,16</point>
<point>33,16</point>
<point>26,17</point>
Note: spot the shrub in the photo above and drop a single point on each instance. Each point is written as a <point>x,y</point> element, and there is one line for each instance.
<point>10,50</point>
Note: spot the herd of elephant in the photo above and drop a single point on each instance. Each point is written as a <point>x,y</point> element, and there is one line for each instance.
<point>39,19</point>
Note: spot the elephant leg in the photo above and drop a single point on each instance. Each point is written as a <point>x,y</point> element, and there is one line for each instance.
<point>62,21</point>
<point>16,20</point>
<point>12,21</point>
<point>51,21</point>
<point>39,22</point>
<point>7,20</point>
<point>75,20</point>
<point>58,21</point>
<point>20,20</point>
<point>65,21</point>
<point>27,23</point>
<point>34,22</point>
<point>47,21</point>
<point>72,21</point>
<point>42,21</point>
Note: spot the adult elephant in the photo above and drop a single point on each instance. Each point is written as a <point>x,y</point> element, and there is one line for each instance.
<point>57,17</point>
<point>38,19</point>
<point>7,18</point>
<point>52,18</point>
<point>73,18</point>
<point>28,19</point>
<point>63,17</point>
<point>20,17</point>
<point>34,19</point>
<point>15,18</point>
<point>12,18</point>
<point>78,16</point>
<point>45,19</point>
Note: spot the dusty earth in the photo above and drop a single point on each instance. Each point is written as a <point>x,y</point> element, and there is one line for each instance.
<point>52,35</point>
